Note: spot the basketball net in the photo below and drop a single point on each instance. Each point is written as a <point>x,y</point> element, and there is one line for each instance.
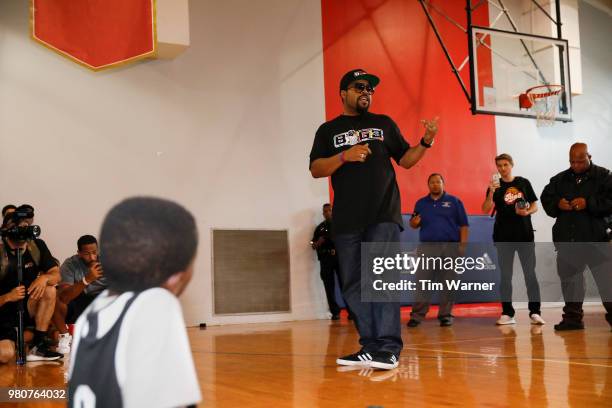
<point>545,104</point>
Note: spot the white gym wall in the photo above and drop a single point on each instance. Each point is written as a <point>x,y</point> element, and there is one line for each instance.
<point>225,129</point>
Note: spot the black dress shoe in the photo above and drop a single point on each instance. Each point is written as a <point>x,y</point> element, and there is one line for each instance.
<point>568,325</point>
<point>413,323</point>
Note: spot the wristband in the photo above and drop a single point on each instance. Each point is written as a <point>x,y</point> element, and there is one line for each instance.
<point>426,145</point>
<point>342,157</point>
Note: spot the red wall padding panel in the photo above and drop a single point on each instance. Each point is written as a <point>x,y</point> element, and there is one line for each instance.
<point>392,39</point>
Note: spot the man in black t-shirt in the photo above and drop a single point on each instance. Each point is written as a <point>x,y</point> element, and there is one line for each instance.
<point>40,275</point>
<point>513,201</point>
<point>356,149</point>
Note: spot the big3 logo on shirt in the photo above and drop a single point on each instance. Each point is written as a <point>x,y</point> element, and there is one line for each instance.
<point>512,194</point>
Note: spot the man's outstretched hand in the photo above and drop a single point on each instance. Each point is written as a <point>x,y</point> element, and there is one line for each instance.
<point>431,129</point>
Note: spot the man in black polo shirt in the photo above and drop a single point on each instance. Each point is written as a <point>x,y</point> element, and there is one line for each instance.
<point>355,150</point>
<point>40,275</point>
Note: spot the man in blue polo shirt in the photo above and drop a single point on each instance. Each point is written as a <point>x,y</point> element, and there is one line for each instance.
<point>441,218</point>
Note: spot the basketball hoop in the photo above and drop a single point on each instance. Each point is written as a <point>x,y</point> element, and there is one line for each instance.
<point>544,101</point>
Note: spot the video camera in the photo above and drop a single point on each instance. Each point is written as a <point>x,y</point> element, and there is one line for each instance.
<point>11,229</point>
<point>522,204</point>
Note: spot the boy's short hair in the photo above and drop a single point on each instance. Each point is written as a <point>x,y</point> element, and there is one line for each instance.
<point>144,241</point>
<point>504,156</point>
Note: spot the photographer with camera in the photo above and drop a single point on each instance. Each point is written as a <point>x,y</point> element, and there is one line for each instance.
<point>82,282</point>
<point>513,201</point>
<point>36,290</point>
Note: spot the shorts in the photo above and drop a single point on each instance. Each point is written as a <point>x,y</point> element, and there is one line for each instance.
<point>7,332</point>
<point>9,321</point>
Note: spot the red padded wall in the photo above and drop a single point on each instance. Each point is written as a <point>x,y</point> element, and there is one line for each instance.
<point>392,39</point>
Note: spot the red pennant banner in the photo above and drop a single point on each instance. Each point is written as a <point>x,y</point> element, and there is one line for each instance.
<point>98,34</point>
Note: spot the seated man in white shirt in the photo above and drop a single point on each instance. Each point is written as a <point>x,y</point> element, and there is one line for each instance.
<point>82,281</point>
<point>130,345</point>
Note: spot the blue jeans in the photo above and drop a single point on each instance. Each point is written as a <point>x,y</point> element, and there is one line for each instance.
<point>378,323</point>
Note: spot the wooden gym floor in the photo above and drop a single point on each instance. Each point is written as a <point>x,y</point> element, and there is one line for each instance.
<point>474,363</point>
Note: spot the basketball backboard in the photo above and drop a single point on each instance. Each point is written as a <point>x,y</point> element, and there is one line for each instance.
<point>518,59</point>
<point>506,64</point>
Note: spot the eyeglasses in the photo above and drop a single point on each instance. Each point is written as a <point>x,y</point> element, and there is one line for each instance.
<point>360,87</point>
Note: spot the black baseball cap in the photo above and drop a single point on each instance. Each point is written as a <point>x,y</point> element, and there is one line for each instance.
<point>25,209</point>
<point>22,212</point>
<point>354,75</point>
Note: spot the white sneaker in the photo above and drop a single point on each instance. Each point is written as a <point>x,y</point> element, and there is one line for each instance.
<point>65,341</point>
<point>536,319</point>
<point>505,319</point>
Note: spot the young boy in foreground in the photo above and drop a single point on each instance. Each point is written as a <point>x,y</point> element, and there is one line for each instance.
<point>130,345</point>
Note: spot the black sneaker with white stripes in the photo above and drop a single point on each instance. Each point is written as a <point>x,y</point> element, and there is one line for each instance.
<point>384,360</point>
<point>361,358</point>
<point>41,352</point>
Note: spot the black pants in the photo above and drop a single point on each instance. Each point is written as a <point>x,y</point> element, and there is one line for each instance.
<point>571,263</point>
<point>526,254</point>
<point>329,269</point>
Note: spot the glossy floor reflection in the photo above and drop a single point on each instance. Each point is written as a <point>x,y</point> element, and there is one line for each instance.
<point>474,363</point>
<point>34,375</point>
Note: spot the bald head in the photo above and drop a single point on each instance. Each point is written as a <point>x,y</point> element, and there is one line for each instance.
<point>580,159</point>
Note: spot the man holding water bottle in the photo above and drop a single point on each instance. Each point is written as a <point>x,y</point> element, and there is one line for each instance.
<point>513,201</point>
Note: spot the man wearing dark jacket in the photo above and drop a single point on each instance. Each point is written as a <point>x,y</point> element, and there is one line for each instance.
<point>580,198</point>
<point>326,252</point>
